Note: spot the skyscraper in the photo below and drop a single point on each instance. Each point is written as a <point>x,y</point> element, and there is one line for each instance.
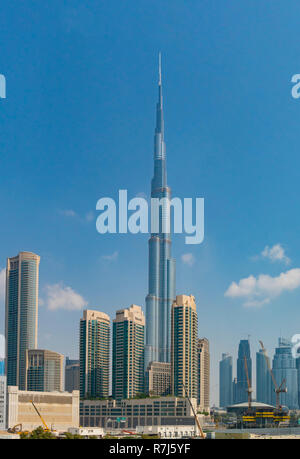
<point>184,335</point>
<point>226,384</point>
<point>264,383</point>
<point>158,379</point>
<point>21,311</point>
<point>94,354</point>
<point>284,367</point>
<point>44,370</point>
<point>72,372</point>
<point>203,358</point>
<point>161,293</point>
<point>242,386</point>
<point>128,353</point>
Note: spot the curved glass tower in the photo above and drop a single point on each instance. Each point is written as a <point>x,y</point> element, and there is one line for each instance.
<point>161,265</point>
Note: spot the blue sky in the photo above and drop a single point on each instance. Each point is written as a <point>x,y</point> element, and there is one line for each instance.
<point>77,124</point>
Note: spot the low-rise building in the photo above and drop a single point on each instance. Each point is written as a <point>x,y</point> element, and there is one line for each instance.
<point>130,413</point>
<point>60,410</point>
<point>87,432</point>
<point>168,431</point>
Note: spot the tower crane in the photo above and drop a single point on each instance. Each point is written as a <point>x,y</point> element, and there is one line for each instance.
<point>278,389</point>
<point>46,428</point>
<point>193,410</point>
<point>249,389</point>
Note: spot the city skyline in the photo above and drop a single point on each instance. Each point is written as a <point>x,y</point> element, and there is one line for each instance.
<point>77,135</point>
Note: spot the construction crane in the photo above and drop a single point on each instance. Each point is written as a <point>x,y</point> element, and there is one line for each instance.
<point>249,388</point>
<point>194,413</point>
<point>46,428</point>
<point>278,389</point>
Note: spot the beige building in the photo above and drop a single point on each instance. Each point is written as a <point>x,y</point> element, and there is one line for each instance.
<point>60,410</point>
<point>184,335</point>
<point>94,354</point>
<point>158,378</point>
<point>203,374</point>
<point>44,370</point>
<point>128,353</point>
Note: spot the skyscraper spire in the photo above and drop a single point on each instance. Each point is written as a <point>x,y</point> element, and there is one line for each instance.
<point>161,293</point>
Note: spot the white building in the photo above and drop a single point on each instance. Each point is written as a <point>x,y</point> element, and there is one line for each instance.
<point>2,402</point>
<point>87,431</point>
<point>168,431</point>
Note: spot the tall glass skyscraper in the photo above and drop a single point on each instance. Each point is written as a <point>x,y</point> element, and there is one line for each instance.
<point>264,384</point>
<point>161,293</point>
<point>21,314</point>
<point>226,386</point>
<point>284,367</point>
<point>242,386</point>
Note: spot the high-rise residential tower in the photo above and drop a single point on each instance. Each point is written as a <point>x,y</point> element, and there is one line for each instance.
<point>161,288</point>
<point>242,386</point>
<point>21,314</point>
<point>128,353</point>
<point>158,379</point>
<point>264,384</point>
<point>94,354</point>
<point>284,367</point>
<point>226,384</point>
<point>184,337</point>
<point>203,358</point>
<point>44,370</point>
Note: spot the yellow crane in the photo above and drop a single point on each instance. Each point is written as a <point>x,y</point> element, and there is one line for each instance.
<point>278,389</point>
<point>46,428</point>
<point>195,416</point>
<point>249,390</point>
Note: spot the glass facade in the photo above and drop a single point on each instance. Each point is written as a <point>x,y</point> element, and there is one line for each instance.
<point>284,367</point>
<point>264,384</point>
<point>21,314</point>
<point>242,386</point>
<point>226,385</point>
<point>161,288</point>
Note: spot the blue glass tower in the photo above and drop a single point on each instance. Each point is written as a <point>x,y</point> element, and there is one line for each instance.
<point>226,386</point>
<point>264,384</point>
<point>242,386</point>
<point>284,367</point>
<point>161,293</point>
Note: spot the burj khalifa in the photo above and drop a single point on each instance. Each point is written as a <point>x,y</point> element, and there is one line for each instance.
<point>161,293</point>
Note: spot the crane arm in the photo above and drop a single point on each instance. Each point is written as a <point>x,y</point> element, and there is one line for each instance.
<point>246,370</point>
<point>195,416</point>
<point>268,365</point>
<point>40,416</point>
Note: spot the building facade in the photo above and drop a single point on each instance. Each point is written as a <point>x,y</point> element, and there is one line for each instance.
<point>60,410</point>
<point>72,375</point>
<point>184,347</point>
<point>94,351</point>
<point>128,353</point>
<point>158,379</point>
<point>129,414</point>
<point>225,381</point>
<point>264,384</point>
<point>242,386</point>
<point>284,367</point>
<point>44,370</point>
<point>203,358</point>
<point>161,286</point>
<point>2,402</point>
<point>21,314</point>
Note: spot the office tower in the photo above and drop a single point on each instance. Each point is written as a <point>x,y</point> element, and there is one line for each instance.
<point>234,391</point>
<point>225,381</point>
<point>298,376</point>
<point>203,358</point>
<point>21,314</point>
<point>161,288</point>
<point>72,372</point>
<point>94,354</point>
<point>184,337</point>
<point>2,402</point>
<point>264,383</point>
<point>44,370</point>
<point>128,353</point>
<point>284,367</point>
<point>242,386</point>
<point>158,379</point>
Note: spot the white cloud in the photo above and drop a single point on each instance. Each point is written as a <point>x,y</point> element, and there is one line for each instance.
<point>260,290</point>
<point>111,257</point>
<point>188,259</point>
<point>2,284</point>
<point>59,296</point>
<point>89,216</point>
<point>275,253</point>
